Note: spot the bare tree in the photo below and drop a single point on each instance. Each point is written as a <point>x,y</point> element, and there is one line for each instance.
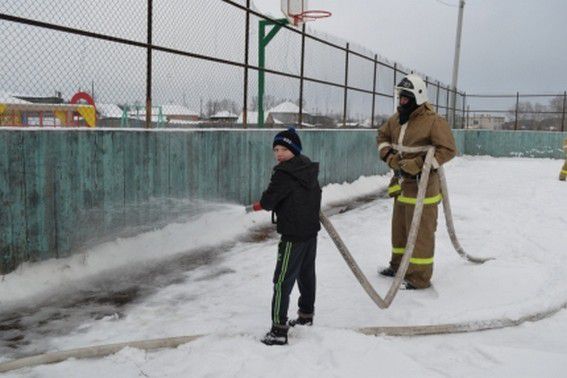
<point>269,102</point>
<point>215,106</point>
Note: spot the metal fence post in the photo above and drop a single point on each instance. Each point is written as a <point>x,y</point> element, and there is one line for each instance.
<point>447,109</point>
<point>563,112</point>
<point>437,99</point>
<point>346,86</point>
<point>517,106</point>
<point>374,90</point>
<point>301,74</point>
<point>394,89</point>
<point>246,61</point>
<point>149,68</point>
<point>464,107</point>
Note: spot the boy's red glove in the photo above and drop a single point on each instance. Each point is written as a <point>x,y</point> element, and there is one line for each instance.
<point>253,207</point>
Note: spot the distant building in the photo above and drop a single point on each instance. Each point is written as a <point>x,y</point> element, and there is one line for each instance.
<point>224,117</point>
<point>251,118</point>
<point>178,113</point>
<point>109,111</point>
<point>285,114</point>
<point>484,121</point>
<point>170,113</point>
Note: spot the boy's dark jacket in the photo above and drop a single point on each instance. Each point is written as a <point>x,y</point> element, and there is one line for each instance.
<point>294,195</point>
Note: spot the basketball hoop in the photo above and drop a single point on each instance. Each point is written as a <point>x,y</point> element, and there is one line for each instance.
<point>309,15</point>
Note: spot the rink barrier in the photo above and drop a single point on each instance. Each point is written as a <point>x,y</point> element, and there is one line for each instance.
<point>173,342</point>
<point>64,191</point>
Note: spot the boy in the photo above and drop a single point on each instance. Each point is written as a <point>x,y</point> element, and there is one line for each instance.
<point>294,196</point>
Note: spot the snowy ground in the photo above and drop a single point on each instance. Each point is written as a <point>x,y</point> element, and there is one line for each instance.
<point>513,209</point>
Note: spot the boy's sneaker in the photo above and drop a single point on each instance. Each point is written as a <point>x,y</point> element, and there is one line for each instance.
<point>302,321</point>
<point>276,336</point>
<point>388,272</point>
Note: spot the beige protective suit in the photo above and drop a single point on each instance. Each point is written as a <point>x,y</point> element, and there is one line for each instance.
<point>423,128</point>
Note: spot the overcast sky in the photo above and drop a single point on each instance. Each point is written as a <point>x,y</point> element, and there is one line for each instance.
<point>507,45</point>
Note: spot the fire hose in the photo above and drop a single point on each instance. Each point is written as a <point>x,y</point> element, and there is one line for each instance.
<point>412,236</point>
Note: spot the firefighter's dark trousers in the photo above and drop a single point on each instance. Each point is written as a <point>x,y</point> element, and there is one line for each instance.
<point>421,263</point>
<point>296,261</point>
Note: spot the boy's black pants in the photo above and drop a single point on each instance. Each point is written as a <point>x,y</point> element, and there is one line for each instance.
<point>296,261</point>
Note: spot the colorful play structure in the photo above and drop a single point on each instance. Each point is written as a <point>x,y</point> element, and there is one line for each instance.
<point>138,113</point>
<point>80,111</point>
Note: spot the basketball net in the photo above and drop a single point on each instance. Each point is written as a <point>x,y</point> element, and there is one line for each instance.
<point>309,15</point>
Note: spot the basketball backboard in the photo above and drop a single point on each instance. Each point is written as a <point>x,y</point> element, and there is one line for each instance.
<point>293,9</point>
<point>297,12</point>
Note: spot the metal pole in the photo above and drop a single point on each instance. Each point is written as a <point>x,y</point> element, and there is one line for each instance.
<point>346,85</point>
<point>149,68</point>
<point>301,73</point>
<point>517,105</point>
<point>374,90</point>
<point>448,110</point>
<point>464,107</point>
<point>563,113</point>
<point>437,98</point>
<point>451,112</point>
<point>261,73</point>
<point>263,41</point>
<point>394,89</point>
<point>246,60</point>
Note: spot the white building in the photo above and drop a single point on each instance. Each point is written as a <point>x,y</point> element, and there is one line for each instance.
<point>484,121</point>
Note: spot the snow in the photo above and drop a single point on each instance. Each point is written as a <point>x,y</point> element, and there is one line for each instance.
<point>172,109</point>
<point>512,209</point>
<point>224,114</point>
<point>9,99</point>
<point>285,107</point>
<point>109,110</point>
<point>166,110</point>
<point>251,117</point>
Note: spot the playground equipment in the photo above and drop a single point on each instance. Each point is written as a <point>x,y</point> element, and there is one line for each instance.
<point>24,113</point>
<point>138,112</point>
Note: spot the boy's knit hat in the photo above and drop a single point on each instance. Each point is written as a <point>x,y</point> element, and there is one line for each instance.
<point>289,139</point>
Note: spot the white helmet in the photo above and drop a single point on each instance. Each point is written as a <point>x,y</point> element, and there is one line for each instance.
<point>415,85</point>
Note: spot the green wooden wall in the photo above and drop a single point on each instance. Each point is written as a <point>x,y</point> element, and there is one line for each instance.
<point>515,143</point>
<point>64,190</point>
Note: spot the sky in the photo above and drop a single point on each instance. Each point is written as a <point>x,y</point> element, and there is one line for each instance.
<point>228,299</point>
<point>507,45</point>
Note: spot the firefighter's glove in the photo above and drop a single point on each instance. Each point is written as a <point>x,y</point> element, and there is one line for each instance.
<point>412,166</point>
<point>393,162</point>
<point>253,207</point>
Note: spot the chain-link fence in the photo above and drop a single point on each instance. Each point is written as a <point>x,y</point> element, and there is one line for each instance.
<point>181,63</point>
<point>546,112</point>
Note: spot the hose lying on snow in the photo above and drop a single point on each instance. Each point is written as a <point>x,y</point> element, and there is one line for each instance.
<point>173,342</point>
<point>94,351</point>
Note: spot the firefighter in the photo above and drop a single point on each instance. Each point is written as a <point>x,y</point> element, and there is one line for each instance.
<point>415,124</point>
<point>563,173</point>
